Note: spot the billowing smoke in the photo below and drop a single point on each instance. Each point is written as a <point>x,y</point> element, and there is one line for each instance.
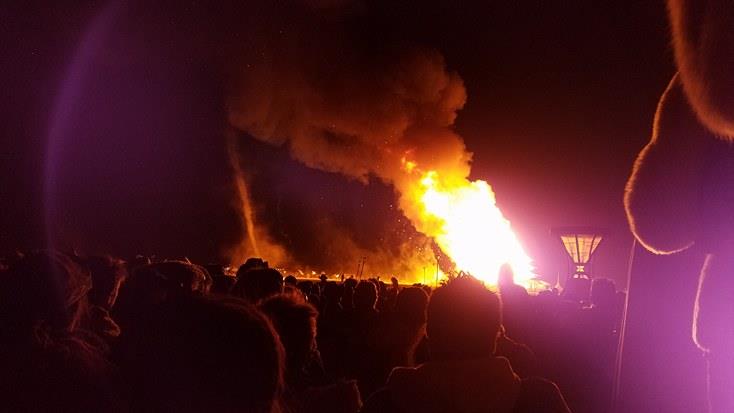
<point>354,118</point>
<point>341,103</point>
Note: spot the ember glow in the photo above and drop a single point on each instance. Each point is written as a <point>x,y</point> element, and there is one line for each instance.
<point>462,217</point>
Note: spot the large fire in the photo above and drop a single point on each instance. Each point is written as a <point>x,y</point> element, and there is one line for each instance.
<point>463,219</point>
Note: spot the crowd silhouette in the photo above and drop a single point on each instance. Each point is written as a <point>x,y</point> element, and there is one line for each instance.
<point>93,334</point>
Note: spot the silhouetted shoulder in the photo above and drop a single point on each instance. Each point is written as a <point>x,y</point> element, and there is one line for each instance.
<point>539,395</point>
<point>380,402</point>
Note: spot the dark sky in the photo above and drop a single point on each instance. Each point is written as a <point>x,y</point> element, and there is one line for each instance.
<point>561,97</point>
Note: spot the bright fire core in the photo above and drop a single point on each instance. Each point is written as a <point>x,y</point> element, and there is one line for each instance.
<point>463,219</point>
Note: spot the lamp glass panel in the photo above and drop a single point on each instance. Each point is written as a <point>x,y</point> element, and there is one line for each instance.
<point>569,242</point>
<point>587,244</point>
<point>580,246</point>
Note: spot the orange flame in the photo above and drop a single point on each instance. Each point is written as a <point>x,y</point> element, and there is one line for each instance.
<point>463,219</point>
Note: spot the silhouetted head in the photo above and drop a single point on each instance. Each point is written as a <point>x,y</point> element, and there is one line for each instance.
<point>257,285</point>
<point>464,318</point>
<point>381,288</point>
<point>577,289</point>
<point>603,292</point>
<point>208,281</point>
<point>411,305</point>
<point>153,284</point>
<point>252,264</point>
<point>506,275</point>
<point>295,321</point>
<point>365,295</point>
<point>291,281</point>
<point>179,275</point>
<point>203,354</point>
<point>107,275</point>
<point>214,269</point>
<point>137,262</point>
<point>43,288</point>
<point>222,284</point>
<point>332,293</point>
<point>306,287</point>
<point>350,283</point>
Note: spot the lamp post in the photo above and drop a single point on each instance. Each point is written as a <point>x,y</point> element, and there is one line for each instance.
<point>437,257</point>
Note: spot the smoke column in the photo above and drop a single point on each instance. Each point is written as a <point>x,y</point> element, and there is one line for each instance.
<point>259,244</point>
<point>242,193</point>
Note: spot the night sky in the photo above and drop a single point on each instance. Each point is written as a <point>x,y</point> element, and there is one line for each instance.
<point>561,97</point>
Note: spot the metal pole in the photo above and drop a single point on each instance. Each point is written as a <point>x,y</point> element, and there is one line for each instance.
<point>361,271</point>
<point>623,328</point>
<point>436,271</point>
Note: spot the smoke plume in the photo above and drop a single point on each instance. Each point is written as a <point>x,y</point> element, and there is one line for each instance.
<point>319,85</point>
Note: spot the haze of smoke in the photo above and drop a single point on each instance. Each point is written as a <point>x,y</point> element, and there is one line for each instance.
<point>343,255</point>
<point>340,106</point>
<point>343,107</point>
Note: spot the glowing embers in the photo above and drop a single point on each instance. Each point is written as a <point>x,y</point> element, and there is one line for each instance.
<point>461,216</point>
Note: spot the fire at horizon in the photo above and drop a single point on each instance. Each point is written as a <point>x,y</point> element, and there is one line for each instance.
<point>464,220</point>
